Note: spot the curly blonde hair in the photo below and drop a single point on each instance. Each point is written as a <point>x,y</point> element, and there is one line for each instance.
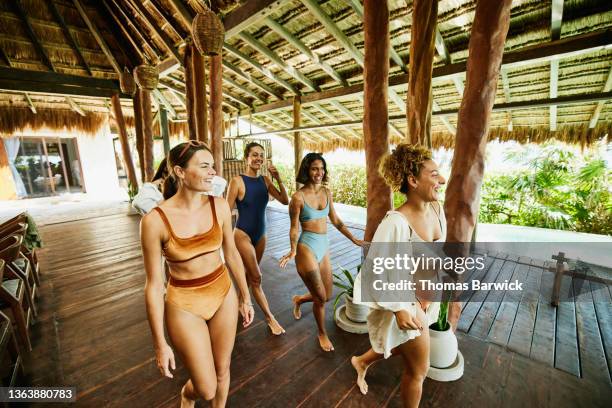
<point>404,161</point>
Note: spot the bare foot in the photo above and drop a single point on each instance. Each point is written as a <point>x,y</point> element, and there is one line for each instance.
<point>297,313</point>
<point>325,343</point>
<point>276,328</point>
<point>361,373</point>
<point>186,402</point>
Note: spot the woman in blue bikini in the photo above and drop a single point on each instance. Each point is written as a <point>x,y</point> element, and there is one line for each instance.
<point>310,206</point>
<point>249,191</point>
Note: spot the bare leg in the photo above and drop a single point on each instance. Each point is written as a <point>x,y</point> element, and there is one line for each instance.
<point>415,353</point>
<point>308,270</point>
<point>250,258</point>
<point>361,364</point>
<point>222,328</point>
<point>190,338</point>
<point>297,302</point>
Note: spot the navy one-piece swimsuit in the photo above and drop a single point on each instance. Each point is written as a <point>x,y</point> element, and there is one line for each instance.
<point>252,208</point>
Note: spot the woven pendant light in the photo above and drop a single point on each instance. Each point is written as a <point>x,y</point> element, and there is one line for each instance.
<point>146,77</point>
<point>208,33</point>
<point>126,82</point>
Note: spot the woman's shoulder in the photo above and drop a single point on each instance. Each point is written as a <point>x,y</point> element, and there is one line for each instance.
<point>394,226</point>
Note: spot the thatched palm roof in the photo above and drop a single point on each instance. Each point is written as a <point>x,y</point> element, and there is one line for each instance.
<point>266,63</point>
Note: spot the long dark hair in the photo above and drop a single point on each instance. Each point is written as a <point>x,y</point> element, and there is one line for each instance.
<point>179,156</point>
<point>302,176</point>
<point>162,171</point>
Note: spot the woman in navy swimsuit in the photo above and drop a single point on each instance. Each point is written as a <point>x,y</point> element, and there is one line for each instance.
<point>249,191</point>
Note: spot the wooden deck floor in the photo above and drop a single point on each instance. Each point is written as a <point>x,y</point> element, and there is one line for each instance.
<point>92,333</point>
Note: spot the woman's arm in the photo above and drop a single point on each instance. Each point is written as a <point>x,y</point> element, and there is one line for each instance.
<point>150,239</point>
<point>233,191</point>
<point>335,219</point>
<point>295,207</point>
<point>278,193</point>
<point>234,262</point>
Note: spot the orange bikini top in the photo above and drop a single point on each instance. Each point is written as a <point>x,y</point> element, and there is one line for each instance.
<point>179,249</point>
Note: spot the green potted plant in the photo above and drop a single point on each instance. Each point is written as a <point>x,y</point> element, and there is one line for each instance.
<point>345,282</point>
<point>132,190</point>
<point>443,342</point>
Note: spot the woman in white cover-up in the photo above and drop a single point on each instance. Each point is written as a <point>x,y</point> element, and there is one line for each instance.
<point>401,327</point>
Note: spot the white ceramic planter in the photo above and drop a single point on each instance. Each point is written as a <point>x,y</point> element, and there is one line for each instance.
<point>357,313</point>
<point>443,348</point>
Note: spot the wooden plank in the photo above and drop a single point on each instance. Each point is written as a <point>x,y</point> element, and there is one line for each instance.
<point>603,309</point>
<point>566,340</point>
<point>592,356</point>
<point>523,328</point>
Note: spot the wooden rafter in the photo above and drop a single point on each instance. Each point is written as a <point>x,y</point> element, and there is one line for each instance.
<point>32,34</point>
<point>276,59</point>
<point>567,47</point>
<point>247,14</point>
<point>246,76</point>
<point>57,15</point>
<point>244,89</point>
<point>257,66</point>
<point>168,66</point>
<point>297,43</point>
<point>607,88</point>
<point>556,18</point>
<point>507,95</point>
<point>143,57</point>
<point>134,29</point>
<point>98,36</point>
<point>74,106</point>
<point>169,20</point>
<point>30,103</point>
<point>5,57</point>
<point>162,100</point>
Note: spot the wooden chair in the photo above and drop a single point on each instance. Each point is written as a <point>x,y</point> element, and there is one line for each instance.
<point>12,294</point>
<point>18,267</point>
<point>21,261</point>
<point>11,363</point>
<point>19,225</point>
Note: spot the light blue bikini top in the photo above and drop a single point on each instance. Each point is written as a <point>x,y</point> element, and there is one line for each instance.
<point>308,213</point>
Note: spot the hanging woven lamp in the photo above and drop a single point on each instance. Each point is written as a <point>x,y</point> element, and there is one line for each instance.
<point>208,33</point>
<point>146,77</point>
<point>127,83</point>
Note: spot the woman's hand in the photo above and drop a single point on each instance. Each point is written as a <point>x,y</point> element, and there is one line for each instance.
<point>274,172</point>
<point>359,242</point>
<point>406,321</point>
<point>247,312</point>
<point>165,360</point>
<point>286,258</point>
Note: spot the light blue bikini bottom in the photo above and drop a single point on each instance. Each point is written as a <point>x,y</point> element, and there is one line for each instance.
<point>318,243</point>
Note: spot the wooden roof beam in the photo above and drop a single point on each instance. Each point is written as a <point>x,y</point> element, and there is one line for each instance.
<point>449,126</point>
<point>247,14</point>
<point>244,89</point>
<point>564,48</point>
<point>135,29</point>
<point>556,17</point>
<point>265,71</point>
<point>5,57</point>
<point>141,10</point>
<point>167,66</point>
<point>98,36</point>
<point>165,102</point>
<point>74,106</point>
<point>303,48</point>
<point>607,88</point>
<point>32,34</point>
<point>506,86</point>
<point>447,59</point>
<point>275,58</point>
<point>141,54</point>
<point>169,20</point>
<point>30,103</point>
<point>68,34</point>
<point>246,76</point>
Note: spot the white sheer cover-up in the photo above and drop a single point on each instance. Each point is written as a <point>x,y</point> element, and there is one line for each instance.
<point>383,330</point>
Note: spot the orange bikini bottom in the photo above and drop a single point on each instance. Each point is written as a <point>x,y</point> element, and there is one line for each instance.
<point>201,296</point>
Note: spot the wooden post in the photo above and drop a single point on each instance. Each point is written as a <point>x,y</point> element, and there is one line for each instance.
<point>216,109</point>
<point>486,48</point>
<point>558,270</point>
<point>147,131</point>
<point>422,48</point>
<point>189,92</point>
<point>163,128</point>
<point>123,140</point>
<point>199,95</point>
<point>138,129</point>
<point>375,116</point>
<point>297,138</point>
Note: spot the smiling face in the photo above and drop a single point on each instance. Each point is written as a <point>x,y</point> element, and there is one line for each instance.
<point>198,173</point>
<point>428,183</point>
<point>316,172</point>
<point>255,158</point>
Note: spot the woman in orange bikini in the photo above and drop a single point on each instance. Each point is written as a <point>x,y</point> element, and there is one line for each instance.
<point>201,306</point>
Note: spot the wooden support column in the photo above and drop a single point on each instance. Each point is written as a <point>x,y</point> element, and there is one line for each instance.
<point>164,130</point>
<point>297,138</point>
<point>199,95</point>
<point>123,140</point>
<point>147,132</point>
<point>486,48</point>
<point>216,109</point>
<point>375,116</point>
<point>422,49</point>
<point>139,135</point>
<point>189,92</point>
